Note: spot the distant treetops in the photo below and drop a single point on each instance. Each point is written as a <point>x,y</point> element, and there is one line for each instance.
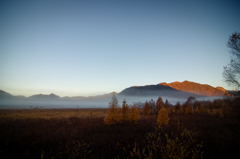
<point>116,114</point>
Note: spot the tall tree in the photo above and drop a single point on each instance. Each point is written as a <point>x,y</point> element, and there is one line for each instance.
<point>231,73</point>
<point>112,112</point>
<point>160,104</point>
<point>190,102</point>
<point>124,111</point>
<point>152,105</point>
<point>146,109</point>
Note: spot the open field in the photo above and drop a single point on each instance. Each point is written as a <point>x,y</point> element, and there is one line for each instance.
<point>54,133</point>
<point>51,113</point>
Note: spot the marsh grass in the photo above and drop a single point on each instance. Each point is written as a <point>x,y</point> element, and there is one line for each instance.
<point>51,113</point>
<point>32,136</point>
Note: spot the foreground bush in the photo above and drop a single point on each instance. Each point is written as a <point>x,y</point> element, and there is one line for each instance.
<point>73,149</point>
<point>167,146</point>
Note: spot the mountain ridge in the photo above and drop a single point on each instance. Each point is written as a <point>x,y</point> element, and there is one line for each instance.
<point>165,89</point>
<point>196,88</point>
<point>155,90</point>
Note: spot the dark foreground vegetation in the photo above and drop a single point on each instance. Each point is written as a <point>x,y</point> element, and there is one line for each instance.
<point>214,136</point>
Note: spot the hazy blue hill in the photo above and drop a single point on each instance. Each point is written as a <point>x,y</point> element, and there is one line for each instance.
<point>155,90</point>
<point>45,97</point>
<point>105,96</point>
<point>5,95</point>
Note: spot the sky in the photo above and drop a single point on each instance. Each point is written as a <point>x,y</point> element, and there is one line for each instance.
<point>87,48</point>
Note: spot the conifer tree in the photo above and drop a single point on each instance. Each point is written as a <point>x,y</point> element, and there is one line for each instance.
<point>124,112</point>
<point>112,112</point>
<point>160,104</point>
<point>177,107</point>
<point>152,105</point>
<point>134,115</point>
<point>163,117</point>
<point>167,104</point>
<point>146,109</point>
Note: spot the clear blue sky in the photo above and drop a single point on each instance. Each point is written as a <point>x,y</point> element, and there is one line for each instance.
<point>88,48</point>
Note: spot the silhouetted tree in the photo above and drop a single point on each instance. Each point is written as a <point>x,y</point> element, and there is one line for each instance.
<point>167,103</point>
<point>231,73</point>
<point>177,107</point>
<point>202,109</point>
<point>190,102</point>
<point>146,109</point>
<point>112,112</point>
<point>152,105</point>
<point>124,112</point>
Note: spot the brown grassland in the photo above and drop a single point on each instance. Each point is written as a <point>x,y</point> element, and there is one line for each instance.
<point>82,133</point>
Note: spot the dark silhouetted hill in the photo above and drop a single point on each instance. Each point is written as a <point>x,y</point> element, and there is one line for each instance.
<point>155,90</point>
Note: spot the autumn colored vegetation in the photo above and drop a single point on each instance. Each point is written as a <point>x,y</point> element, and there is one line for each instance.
<point>192,129</point>
<point>116,114</point>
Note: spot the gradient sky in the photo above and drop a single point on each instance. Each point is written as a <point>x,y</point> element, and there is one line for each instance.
<point>85,48</point>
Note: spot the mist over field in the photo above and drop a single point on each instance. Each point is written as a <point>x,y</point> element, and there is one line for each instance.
<point>88,103</point>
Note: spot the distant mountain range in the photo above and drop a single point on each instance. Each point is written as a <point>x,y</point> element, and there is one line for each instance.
<point>7,96</point>
<point>175,90</point>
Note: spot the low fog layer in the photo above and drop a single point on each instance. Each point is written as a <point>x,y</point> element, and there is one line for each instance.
<point>87,103</point>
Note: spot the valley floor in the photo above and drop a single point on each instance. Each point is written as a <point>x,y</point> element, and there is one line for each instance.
<point>47,133</point>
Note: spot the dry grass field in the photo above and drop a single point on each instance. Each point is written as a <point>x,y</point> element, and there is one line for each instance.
<point>51,113</point>
<point>82,133</point>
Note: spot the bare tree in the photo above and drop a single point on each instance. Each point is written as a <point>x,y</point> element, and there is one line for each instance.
<point>231,73</point>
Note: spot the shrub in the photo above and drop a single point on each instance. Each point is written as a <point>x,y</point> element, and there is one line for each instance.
<point>208,111</point>
<point>196,111</point>
<point>226,110</point>
<point>202,110</point>
<point>180,111</point>
<point>73,149</point>
<point>214,112</point>
<point>167,146</point>
<point>189,110</point>
<point>163,117</point>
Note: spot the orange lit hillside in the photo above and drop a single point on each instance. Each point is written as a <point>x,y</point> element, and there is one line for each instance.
<point>196,88</point>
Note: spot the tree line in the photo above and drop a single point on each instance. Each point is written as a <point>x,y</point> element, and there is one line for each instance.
<point>126,114</point>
